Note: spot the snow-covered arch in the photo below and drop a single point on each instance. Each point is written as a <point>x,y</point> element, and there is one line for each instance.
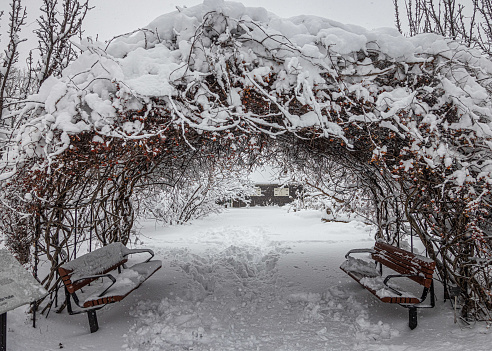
<point>413,113</point>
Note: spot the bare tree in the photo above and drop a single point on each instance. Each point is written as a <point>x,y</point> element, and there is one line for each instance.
<point>485,26</point>
<point>58,25</point>
<point>17,18</point>
<point>469,21</point>
<point>55,32</point>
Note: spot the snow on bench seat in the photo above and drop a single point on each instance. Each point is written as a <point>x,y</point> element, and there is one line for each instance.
<point>98,260</point>
<point>366,274</point>
<point>127,281</point>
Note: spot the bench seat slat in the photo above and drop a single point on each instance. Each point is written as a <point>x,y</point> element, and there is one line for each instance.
<point>408,256</point>
<point>375,284</point>
<point>404,261</point>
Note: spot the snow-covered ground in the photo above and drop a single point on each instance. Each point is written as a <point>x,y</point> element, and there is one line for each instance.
<point>251,279</point>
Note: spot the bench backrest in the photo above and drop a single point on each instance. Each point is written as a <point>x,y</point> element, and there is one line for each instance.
<point>100,261</point>
<point>405,262</point>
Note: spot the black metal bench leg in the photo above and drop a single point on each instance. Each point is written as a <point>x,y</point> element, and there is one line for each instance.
<point>412,317</point>
<point>93,321</point>
<point>69,303</point>
<point>3,332</point>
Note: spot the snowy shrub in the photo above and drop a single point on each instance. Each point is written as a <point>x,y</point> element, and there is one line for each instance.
<point>195,195</point>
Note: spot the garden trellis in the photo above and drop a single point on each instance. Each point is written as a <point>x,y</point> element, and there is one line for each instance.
<point>218,83</point>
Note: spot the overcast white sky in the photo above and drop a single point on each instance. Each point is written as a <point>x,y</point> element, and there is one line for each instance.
<point>114,17</point>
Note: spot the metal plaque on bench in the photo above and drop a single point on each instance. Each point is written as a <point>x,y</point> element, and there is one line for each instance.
<point>17,286</point>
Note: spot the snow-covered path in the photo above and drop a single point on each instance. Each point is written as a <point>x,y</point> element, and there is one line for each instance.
<point>252,279</point>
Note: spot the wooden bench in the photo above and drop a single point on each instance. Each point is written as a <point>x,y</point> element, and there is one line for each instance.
<point>403,264</point>
<point>91,283</point>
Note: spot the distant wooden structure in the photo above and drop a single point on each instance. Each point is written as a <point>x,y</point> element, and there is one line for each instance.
<point>271,195</point>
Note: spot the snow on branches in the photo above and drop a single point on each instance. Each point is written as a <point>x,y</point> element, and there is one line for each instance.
<point>219,78</point>
<point>221,66</point>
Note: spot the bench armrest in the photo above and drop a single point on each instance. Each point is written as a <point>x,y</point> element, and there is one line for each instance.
<point>92,277</point>
<point>134,251</point>
<point>359,251</point>
<point>388,277</point>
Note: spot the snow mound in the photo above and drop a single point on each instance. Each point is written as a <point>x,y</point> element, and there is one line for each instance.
<point>226,323</point>
<point>336,305</point>
<point>162,324</point>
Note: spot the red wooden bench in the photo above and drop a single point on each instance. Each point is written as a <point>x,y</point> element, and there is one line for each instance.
<point>101,277</point>
<point>403,264</point>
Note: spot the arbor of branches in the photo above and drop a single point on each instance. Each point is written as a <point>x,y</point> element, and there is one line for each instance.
<point>408,119</point>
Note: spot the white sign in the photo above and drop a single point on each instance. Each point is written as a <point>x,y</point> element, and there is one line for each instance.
<point>17,286</point>
<point>281,192</point>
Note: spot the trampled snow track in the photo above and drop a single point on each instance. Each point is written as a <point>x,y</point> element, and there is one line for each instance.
<point>236,298</point>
